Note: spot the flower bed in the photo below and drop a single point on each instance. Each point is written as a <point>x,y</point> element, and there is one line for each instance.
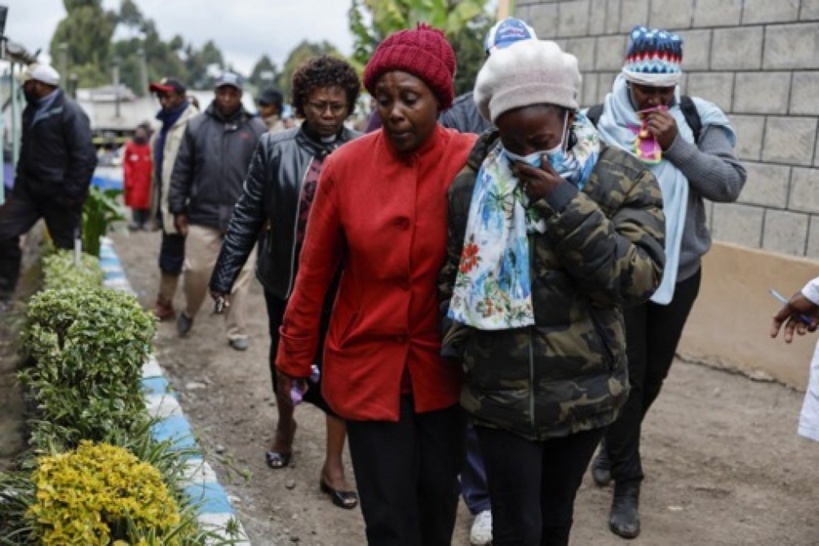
<point>97,471</point>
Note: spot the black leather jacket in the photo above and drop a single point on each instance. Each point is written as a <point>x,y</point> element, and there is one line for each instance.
<point>211,164</point>
<point>267,211</point>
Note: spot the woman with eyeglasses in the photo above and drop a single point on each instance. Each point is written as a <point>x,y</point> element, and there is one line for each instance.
<point>380,212</point>
<point>273,209</point>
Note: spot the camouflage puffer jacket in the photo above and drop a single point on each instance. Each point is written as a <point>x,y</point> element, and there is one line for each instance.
<point>602,250</point>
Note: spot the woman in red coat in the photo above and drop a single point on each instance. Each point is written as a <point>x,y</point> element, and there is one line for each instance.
<point>380,212</point>
<point>137,167</point>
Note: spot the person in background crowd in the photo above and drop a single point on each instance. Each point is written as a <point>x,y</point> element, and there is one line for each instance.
<point>137,168</point>
<point>273,209</point>
<point>643,115</point>
<point>270,104</point>
<point>54,171</point>
<point>205,185</point>
<point>174,116</point>
<point>548,238</point>
<point>380,213</point>
<point>464,116</point>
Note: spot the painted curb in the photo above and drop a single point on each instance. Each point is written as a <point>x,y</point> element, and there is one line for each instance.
<point>202,487</point>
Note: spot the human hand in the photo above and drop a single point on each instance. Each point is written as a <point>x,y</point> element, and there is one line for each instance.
<point>662,126</point>
<point>221,301</point>
<point>792,316</point>
<point>537,182</point>
<point>285,384</point>
<point>180,224</point>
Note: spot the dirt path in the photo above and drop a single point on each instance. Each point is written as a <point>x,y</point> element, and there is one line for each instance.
<point>723,463</point>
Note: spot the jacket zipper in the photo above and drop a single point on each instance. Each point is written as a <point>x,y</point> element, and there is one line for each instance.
<point>600,334</point>
<point>296,231</point>
<point>531,352</point>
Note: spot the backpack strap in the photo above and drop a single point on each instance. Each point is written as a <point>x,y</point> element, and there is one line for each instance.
<point>692,116</point>
<point>594,113</point>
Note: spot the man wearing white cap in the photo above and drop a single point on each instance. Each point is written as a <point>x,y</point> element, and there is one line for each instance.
<point>57,161</point>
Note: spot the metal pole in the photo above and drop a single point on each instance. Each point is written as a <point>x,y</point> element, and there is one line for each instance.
<point>15,125</point>
<point>116,88</point>
<point>2,133</point>
<point>506,8</point>
<point>63,47</point>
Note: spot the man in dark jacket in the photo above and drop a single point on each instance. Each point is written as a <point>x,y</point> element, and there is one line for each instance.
<point>57,161</point>
<point>205,185</point>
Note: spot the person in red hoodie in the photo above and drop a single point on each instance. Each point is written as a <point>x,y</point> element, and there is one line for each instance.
<point>137,167</point>
<point>380,212</point>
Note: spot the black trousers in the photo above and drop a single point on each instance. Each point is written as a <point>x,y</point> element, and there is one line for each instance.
<point>652,334</point>
<point>533,484</point>
<point>407,475</point>
<point>275,314</point>
<point>171,253</point>
<point>17,216</point>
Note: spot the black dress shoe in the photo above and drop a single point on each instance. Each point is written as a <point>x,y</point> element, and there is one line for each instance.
<point>624,518</point>
<point>601,467</point>
<point>342,499</point>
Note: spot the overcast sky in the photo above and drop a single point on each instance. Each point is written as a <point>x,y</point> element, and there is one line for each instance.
<point>242,29</point>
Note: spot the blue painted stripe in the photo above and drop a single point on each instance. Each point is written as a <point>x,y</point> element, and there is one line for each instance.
<point>210,497</point>
<point>177,429</point>
<point>156,385</point>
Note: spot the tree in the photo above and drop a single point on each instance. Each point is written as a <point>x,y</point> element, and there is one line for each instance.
<point>264,73</point>
<point>203,66</point>
<point>301,53</point>
<point>87,29</point>
<point>463,21</point>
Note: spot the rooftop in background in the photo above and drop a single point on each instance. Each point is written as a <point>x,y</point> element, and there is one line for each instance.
<point>100,105</point>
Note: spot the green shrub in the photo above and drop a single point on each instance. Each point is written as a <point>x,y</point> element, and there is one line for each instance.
<point>88,346</point>
<point>100,210</point>
<point>60,271</point>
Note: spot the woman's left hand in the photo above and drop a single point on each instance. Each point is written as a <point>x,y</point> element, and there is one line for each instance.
<point>536,182</point>
<point>661,124</point>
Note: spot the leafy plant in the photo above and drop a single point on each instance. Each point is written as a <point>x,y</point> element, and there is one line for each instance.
<point>60,271</point>
<point>464,22</point>
<point>100,210</point>
<point>101,493</point>
<point>89,347</point>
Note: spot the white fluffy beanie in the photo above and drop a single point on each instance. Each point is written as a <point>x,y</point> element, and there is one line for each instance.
<point>526,73</point>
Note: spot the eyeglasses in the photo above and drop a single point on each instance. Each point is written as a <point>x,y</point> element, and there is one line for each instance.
<point>320,107</point>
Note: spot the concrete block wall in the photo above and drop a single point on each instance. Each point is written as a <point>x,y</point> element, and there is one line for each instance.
<point>756,59</point>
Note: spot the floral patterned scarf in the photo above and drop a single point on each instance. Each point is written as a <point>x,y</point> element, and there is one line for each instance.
<point>493,287</point>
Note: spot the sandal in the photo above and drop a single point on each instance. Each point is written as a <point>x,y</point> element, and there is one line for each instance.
<point>280,459</point>
<point>277,459</point>
<point>343,499</point>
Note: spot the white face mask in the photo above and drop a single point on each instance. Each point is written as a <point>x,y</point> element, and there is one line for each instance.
<point>555,155</point>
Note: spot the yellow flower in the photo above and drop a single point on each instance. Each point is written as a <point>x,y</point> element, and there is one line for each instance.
<point>86,495</point>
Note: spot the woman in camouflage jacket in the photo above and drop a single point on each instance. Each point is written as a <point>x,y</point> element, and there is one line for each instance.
<point>550,235</point>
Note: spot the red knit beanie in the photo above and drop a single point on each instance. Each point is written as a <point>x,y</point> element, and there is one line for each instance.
<point>423,52</point>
